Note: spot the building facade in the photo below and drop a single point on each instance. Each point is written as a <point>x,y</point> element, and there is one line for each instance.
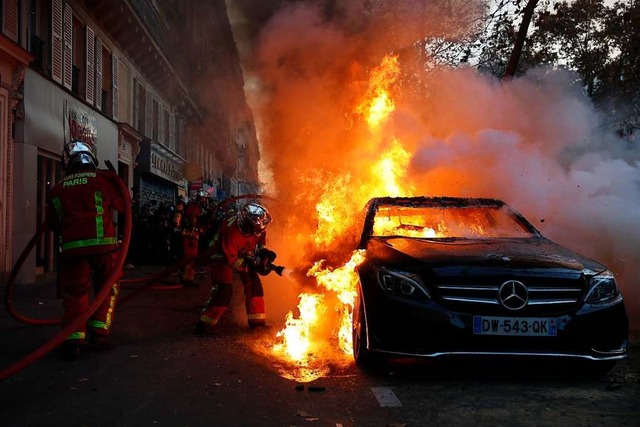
<point>14,59</point>
<point>109,71</point>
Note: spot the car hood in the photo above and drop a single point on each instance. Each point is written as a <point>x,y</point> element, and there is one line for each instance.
<point>510,253</point>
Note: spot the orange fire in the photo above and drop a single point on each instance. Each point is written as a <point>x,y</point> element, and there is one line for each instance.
<point>298,342</point>
<point>344,282</point>
<point>378,104</point>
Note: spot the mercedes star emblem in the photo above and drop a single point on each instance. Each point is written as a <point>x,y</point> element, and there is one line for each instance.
<point>513,295</point>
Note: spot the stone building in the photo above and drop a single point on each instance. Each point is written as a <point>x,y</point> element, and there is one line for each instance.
<point>126,73</point>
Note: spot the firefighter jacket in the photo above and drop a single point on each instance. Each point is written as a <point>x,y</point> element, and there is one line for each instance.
<point>80,209</point>
<point>190,224</point>
<point>236,248</point>
<point>192,214</point>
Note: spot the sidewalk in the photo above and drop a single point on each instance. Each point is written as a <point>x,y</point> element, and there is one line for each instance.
<point>38,301</point>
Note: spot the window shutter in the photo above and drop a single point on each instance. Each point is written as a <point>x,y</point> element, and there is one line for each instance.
<point>148,110</point>
<point>115,83</point>
<point>161,124</point>
<point>56,43</point>
<point>136,104</point>
<point>98,83</point>
<point>90,66</point>
<point>67,75</point>
<point>10,19</point>
<point>172,132</point>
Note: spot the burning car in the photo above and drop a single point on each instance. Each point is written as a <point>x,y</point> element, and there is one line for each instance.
<point>468,276</point>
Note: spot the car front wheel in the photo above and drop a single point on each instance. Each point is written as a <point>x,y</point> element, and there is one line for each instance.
<point>362,356</point>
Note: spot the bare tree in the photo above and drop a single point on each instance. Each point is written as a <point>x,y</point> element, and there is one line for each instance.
<point>521,37</point>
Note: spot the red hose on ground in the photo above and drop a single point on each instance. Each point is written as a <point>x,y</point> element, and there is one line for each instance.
<point>99,298</point>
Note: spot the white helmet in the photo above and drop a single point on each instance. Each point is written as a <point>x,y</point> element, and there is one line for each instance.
<point>77,153</point>
<point>253,219</point>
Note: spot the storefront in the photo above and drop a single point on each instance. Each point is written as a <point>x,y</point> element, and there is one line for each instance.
<point>159,178</point>
<point>13,60</point>
<point>128,150</point>
<point>51,116</point>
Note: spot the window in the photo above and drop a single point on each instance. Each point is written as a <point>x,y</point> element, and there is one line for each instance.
<point>141,108</point>
<point>78,84</point>
<point>167,133</point>
<point>39,34</point>
<point>106,105</point>
<point>9,18</point>
<point>155,120</point>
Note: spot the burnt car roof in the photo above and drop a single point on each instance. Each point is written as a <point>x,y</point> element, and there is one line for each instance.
<point>375,203</point>
<point>434,201</point>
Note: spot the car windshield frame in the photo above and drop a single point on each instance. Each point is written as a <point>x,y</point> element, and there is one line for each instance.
<point>375,205</point>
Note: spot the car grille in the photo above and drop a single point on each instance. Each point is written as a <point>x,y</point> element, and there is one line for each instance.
<point>547,295</point>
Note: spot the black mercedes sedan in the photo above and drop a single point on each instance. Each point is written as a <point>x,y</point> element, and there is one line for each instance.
<point>449,276</point>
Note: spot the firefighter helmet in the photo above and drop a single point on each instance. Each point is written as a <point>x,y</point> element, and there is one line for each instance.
<point>253,219</point>
<point>79,153</point>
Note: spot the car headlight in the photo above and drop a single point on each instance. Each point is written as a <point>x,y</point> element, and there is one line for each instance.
<point>402,283</point>
<point>603,288</point>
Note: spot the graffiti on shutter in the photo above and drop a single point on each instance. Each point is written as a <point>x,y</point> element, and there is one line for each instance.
<point>90,66</point>
<point>115,83</point>
<point>98,84</point>
<point>67,68</point>
<point>56,42</point>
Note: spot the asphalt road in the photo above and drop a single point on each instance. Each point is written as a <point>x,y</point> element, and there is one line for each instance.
<point>160,374</point>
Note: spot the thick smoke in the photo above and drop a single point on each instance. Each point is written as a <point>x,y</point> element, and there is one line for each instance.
<point>534,141</point>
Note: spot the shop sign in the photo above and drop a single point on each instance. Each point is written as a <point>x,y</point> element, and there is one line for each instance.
<point>196,184</point>
<point>154,159</point>
<point>164,167</point>
<point>79,125</point>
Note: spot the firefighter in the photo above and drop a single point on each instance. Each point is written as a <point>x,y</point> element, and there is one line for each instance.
<point>176,235</point>
<point>238,245</point>
<point>80,209</point>
<point>191,230</point>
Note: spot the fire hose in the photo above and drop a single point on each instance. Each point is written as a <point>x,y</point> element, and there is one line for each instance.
<point>104,292</point>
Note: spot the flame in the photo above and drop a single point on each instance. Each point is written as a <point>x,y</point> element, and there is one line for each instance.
<point>295,343</point>
<point>344,282</point>
<point>378,104</point>
<point>299,341</point>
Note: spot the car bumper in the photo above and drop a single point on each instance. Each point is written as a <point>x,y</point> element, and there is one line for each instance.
<point>398,326</point>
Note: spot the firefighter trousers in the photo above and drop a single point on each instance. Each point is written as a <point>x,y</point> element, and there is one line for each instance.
<point>189,250</point>
<point>222,291</point>
<point>77,277</point>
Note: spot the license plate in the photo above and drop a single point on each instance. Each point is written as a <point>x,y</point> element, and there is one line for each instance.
<point>515,326</point>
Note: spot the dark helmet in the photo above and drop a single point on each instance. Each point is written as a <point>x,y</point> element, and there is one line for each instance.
<point>79,153</point>
<point>253,219</point>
